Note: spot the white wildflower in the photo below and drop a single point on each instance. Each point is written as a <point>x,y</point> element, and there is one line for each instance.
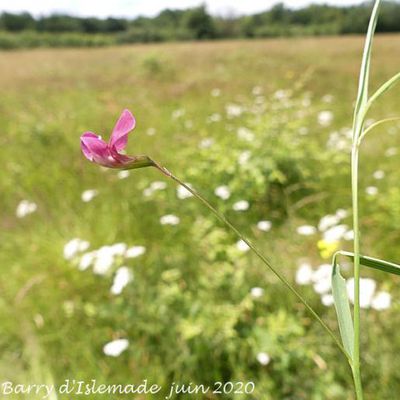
<point>86,260</point>
<point>223,192</point>
<point>244,157</point>
<point>206,143</point>
<point>169,219</point>
<point>135,251</point>
<point>263,358</point>
<point>246,134</point>
<point>381,301</point>
<point>158,185</point>
<point>367,291</point>
<point>116,347</point>
<point>89,195</point>
<point>183,193</point>
<point>304,274</point>
<point>241,205</point>
<point>323,286</point>
<point>234,110</point>
<point>256,292</point>
<point>306,230</point>
<point>341,213</point>
<point>379,174</point>
<point>25,208</point>
<point>323,272</point>
<point>327,299</point>
<point>335,233</point>
<point>325,118</point>
<point>241,245</point>
<point>327,221</point>
<point>119,249</point>
<point>123,174</point>
<point>104,260</point>
<point>122,277</point>
<point>75,246</point>
<point>264,225</point>
<point>349,235</point>
<point>371,190</point>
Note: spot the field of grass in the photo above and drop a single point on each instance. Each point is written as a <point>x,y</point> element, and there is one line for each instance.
<point>245,114</point>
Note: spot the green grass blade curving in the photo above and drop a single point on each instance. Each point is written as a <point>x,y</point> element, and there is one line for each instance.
<point>342,306</point>
<point>362,96</point>
<point>374,263</point>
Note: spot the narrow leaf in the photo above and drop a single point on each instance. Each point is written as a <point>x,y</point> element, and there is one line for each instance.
<point>384,88</point>
<point>362,95</point>
<point>374,263</point>
<point>343,309</point>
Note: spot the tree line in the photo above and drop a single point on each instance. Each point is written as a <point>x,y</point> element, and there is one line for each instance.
<point>197,23</point>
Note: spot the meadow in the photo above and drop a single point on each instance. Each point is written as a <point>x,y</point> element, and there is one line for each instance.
<point>260,128</point>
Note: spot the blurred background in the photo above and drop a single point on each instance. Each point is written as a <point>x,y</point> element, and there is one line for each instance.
<point>122,276</point>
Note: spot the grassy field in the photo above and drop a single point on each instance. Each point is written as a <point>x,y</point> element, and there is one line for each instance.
<point>249,115</point>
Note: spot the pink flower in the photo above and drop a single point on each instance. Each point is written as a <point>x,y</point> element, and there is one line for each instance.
<point>108,154</point>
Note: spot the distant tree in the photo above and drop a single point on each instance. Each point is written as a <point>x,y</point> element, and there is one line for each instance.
<point>199,23</point>
<point>59,23</point>
<point>17,22</point>
<point>115,25</point>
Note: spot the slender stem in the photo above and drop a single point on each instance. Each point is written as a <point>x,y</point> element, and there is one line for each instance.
<point>357,383</point>
<point>356,228</point>
<point>222,218</point>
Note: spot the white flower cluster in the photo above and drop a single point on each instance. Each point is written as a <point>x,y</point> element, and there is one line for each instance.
<point>320,279</point>
<point>24,208</point>
<point>103,260</point>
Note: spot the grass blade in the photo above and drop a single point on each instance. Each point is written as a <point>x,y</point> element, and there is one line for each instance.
<point>362,96</point>
<point>342,306</point>
<point>374,263</point>
<point>383,89</point>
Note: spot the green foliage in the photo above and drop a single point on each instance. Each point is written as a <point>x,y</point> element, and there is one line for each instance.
<point>188,313</point>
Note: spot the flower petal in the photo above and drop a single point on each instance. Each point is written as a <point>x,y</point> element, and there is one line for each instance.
<point>93,147</point>
<point>124,125</point>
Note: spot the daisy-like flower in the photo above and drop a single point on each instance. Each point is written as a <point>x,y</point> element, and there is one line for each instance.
<point>256,292</point>
<point>306,230</point>
<point>24,208</point>
<point>169,219</point>
<point>89,195</point>
<point>109,154</point>
<point>122,277</point>
<point>263,358</point>
<point>116,347</point>
<point>264,225</point>
<point>241,245</point>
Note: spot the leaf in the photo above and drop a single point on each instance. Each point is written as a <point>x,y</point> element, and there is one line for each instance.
<point>362,96</point>
<point>342,306</point>
<point>374,263</point>
<point>383,89</point>
<point>376,124</point>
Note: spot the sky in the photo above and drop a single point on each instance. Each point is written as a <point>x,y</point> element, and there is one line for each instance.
<point>133,8</point>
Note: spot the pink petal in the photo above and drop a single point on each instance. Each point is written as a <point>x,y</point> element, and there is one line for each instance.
<point>93,147</point>
<point>119,136</point>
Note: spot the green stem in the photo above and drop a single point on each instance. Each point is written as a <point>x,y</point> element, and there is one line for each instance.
<point>356,229</point>
<point>222,218</point>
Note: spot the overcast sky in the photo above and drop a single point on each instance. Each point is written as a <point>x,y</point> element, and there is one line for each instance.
<point>132,8</point>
